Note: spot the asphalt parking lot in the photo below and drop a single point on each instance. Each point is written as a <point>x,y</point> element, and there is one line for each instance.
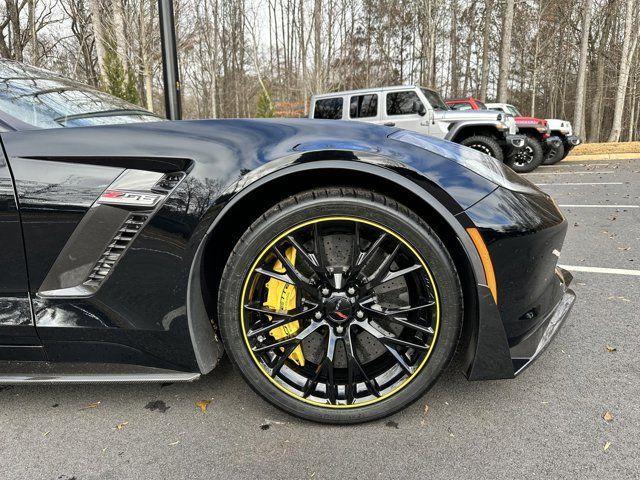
<point>547,423</point>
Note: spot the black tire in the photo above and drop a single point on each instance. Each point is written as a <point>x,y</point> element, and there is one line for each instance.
<point>567,149</point>
<point>484,144</point>
<point>527,159</point>
<point>334,204</point>
<point>554,155</point>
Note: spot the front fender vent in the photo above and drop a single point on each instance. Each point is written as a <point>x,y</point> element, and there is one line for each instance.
<point>116,249</point>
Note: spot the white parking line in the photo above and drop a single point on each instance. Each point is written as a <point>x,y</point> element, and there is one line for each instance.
<point>571,173</point>
<point>576,165</point>
<point>600,206</point>
<point>582,183</point>
<point>612,271</point>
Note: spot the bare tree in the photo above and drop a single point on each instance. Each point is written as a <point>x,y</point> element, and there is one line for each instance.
<point>631,32</point>
<point>578,116</point>
<point>486,33</point>
<point>505,51</point>
<point>98,32</point>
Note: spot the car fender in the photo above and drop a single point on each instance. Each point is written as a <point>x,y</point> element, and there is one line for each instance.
<point>487,336</point>
<point>457,128</point>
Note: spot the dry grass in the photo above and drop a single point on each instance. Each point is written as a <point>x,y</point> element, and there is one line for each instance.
<point>606,148</point>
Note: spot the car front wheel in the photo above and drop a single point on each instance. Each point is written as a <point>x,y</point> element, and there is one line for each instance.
<point>554,155</point>
<point>340,306</point>
<point>484,144</point>
<point>528,158</point>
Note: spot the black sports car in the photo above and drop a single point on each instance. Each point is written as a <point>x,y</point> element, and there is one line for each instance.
<point>339,265</point>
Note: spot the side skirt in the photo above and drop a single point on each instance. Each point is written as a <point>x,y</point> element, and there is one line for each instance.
<point>17,373</point>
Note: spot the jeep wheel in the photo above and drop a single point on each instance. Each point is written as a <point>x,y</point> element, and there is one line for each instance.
<point>554,155</point>
<point>484,144</point>
<point>526,159</point>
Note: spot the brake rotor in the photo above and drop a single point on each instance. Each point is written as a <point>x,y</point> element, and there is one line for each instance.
<point>338,248</point>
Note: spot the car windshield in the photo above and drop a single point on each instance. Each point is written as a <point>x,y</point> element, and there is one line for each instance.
<point>435,100</point>
<point>45,100</point>
<point>513,111</point>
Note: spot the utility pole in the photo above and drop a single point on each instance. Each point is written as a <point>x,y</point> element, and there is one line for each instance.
<point>170,71</point>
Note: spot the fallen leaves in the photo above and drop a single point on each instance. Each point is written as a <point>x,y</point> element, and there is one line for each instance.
<point>610,349</point>
<point>424,415</point>
<point>121,426</point>
<point>607,416</point>
<point>203,404</point>
<point>91,405</point>
<point>606,446</point>
<point>172,444</point>
<point>392,424</point>
<point>619,298</point>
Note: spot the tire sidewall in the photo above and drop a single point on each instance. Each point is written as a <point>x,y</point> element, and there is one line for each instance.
<point>416,233</point>
<point>560,153</point>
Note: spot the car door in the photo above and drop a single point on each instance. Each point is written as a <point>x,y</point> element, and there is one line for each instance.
<point>405,109</point>
<point>17,328</point>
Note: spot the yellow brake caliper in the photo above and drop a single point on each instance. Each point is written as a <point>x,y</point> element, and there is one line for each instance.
<point>282,298</point>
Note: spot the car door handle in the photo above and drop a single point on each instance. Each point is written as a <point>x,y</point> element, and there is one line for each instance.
<point>389,124</point>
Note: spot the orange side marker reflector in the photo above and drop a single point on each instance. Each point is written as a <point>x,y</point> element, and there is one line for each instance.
<point>486,261</point>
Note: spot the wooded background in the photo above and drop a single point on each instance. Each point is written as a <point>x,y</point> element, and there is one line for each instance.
<point>573,59</point>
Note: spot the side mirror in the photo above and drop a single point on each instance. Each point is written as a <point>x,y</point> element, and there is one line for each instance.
<point>418,106</point>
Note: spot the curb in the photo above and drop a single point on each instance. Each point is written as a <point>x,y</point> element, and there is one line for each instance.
<point>602,156</point>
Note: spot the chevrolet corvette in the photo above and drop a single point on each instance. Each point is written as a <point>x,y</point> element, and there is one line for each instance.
<point>339,265</point>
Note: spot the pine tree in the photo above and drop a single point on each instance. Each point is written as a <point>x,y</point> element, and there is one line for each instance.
<point>119,83</point>
<point>114,76</point>
<point>265,107</point>
<point>131,94</point>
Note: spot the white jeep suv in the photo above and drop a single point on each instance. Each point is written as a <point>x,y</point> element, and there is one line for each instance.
<point>422,110</point>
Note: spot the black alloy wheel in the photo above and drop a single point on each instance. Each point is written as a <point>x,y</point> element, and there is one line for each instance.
<point>527,159</point>
<point>333,315</point>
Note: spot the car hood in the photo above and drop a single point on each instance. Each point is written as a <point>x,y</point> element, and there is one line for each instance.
<point>529,120</point>
<point>235,152</point>
<point>458,116</point>
<point>559,124</point>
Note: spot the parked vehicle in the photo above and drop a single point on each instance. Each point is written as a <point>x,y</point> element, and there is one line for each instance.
<point>336,264</point>
<point>564,130</point>
<point>539,142</point>
<point>422,110</point>
<point>561,129</point>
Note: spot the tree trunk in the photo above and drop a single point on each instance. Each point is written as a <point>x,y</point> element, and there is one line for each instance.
<point>317,46</point>
<point>486,36</point>
<point>578,115</point>
<point>505,52</point>
<point>628,47</point>
<point>596,103</point>
<point>147,79</point>
<point>118,31</point>
<point>13,18</point>
<point>33,33</point>
<point>453,36</point>
<point>98,33</point>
